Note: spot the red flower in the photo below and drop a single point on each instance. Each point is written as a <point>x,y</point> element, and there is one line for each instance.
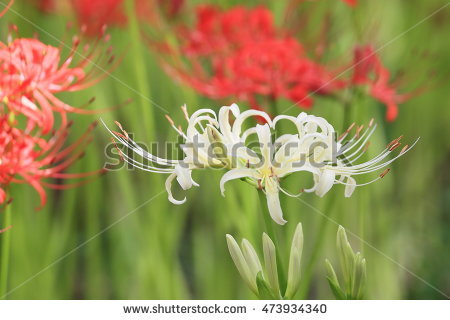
<point>95,14</point>
<point>33,146</point>
<point>46,5</point>
<point>33,72</point>
<point>351,3</point>
<point>368,70</point>
<point>29,157</point>
<point>240,54</point>
<point>274,68</point>
<point>219,31</point>
<point>172,8</point>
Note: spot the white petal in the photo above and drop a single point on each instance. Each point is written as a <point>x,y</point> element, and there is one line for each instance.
<point>244,116</point>
<point>350,187</point>
<point>284,117</point>
<point>264,137</point>
<point>169,191</point>
<point>236,174</point>
<point>326,181</point>
<point>224,120</point>
<point>184,177</point>
<point>273,201</point>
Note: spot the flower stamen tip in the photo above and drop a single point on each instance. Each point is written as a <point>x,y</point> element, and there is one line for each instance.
<point>170,120</point>
<point>385,172</point>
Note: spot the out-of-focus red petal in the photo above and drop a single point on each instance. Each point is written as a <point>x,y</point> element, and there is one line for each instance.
<point>351,3</point>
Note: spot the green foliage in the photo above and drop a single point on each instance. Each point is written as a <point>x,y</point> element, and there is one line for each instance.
<point>353,270</point>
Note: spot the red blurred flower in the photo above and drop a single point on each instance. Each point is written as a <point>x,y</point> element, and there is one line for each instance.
<point>239,53</point>
<point>274,68</point>
<point>46,5</point>
<point>351,3</point>
<point>27,156</point>
<point>368,70</point>
<point>95,14</point>
<point>33,72</point>
<point>171,7</point>
<point>219,32</point>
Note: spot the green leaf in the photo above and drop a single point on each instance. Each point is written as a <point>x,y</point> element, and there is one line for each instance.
<point>294,273</point>
<point>346,257</point>
<point>270,262</point>
<point>359,277</point>
<point>251,257</point>
<point>241,264</point>
<point>264,291</point>
<point>337,291</point>
<point>334,282</point>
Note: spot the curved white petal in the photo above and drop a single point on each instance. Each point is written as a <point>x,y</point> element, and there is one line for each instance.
<point>236,174</point>
<point>169,190</point>
<point>224,120</point>
<point>264,137</point>
<point>283,117</point>
<point>325,182</point>
<point>350,187</point>
<point>237,126</point>
<point>184,177</point>
<point>273,201</point>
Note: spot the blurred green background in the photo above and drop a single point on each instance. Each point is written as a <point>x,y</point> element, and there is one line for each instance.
<point>119,237</point>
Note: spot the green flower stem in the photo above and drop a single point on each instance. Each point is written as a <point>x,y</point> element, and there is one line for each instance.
<point>142,82</point>
<point>320,240</point>
<point>361,115</point>
<point>363,206</point>
<point>5,248</point>
<point>272,234</point>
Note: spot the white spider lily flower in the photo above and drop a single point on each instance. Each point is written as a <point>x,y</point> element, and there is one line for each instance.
<point>334,159</point>
<point>205,131</point>
<point>219,141</point>
<point>267,173</point>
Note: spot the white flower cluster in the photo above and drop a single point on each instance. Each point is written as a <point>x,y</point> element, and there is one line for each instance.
<point>220,141</point>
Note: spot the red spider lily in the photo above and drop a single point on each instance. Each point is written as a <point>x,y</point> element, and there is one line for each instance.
<point>219,31</point>
<point>274,68</point>
<point>171,8</point>
<point>46,5</point>
<point>368,70</point>
<point>32,148</point>
<point>239,53</point>
<point>32,73</point>
<point>351,3</point>
<point>29,157</point>
<point>95,14</point>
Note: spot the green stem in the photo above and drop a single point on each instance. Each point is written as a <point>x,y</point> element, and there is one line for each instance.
<point>320,240</point>
<point>272,234</point>
<point>5,248</point>
<point>142,83</point>
<point>362,208</point>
